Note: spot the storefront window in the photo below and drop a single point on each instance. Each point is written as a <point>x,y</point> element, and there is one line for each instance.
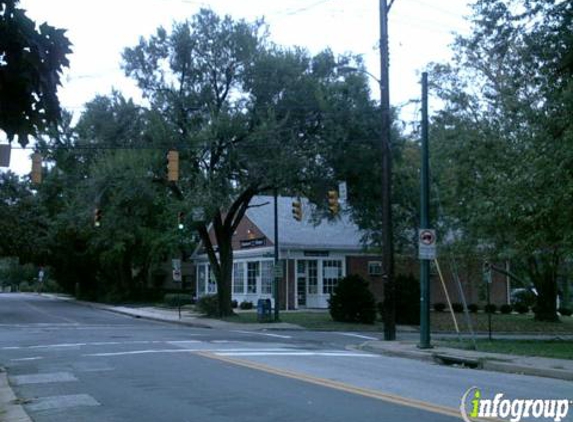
<point>267,277</point>
<point>331,273</point>
<point>239,277</point>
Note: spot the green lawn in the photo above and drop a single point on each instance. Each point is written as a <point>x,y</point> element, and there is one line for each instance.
<point>561,349</point>
<point>319,321</point>
<point>513,323</point>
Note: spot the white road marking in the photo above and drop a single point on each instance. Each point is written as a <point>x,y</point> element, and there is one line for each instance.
<point>150,351</point>
<point>357,336</point>
<point>261,334</point>
<point>42,378</point>
<point>77,345</point>
<point>62,402</point>
<point>26,359</point>
<point>183,342</point>
<point>294,353</point>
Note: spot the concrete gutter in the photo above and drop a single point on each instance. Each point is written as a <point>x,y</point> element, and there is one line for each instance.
<point>526,365</point>
<point>10,409</point>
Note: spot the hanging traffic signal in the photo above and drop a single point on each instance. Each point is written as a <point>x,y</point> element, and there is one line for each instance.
<point>181,220</point>
<point>172,166</point>
<point>333,204</point>
<point>36,174</point>
<point>97,217</point>
<point>297,210</point>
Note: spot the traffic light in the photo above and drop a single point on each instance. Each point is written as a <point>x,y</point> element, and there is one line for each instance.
<point>333,204</point>
<point>297,210</point>
<point>181,220</point>
<point>36,168</point>
<point>97,217</point>
<point>172,166</point>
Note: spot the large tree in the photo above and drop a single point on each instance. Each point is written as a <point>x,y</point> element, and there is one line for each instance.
<point>31,61</point>
<point>504,139</point>
<point>246,117</point>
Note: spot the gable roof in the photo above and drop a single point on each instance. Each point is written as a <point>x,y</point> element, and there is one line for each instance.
<point>340,233</point>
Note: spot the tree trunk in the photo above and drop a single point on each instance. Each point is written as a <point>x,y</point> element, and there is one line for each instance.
<point>544,275</point>
<point>224,283</point>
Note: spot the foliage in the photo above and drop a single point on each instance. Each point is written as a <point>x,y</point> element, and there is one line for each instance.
<point>523,297</point>
<point>521,308</point>
<point>439,307</point>
<point>177,299</point>
<point>31,62</point>
<point>457,307</point>
<point>490,308</point>
<point>12,273</point>
<point>501,139</point>
<point>505,308</point>
<point>246,305</point>
<point>208,305</point>
<point>352,301</point>
<point>473,308</point>
<point>565,311</point>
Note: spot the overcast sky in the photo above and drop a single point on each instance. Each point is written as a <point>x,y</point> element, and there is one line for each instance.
<point>420,32</point>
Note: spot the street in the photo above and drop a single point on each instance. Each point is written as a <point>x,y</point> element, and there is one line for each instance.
<point>69,362</point>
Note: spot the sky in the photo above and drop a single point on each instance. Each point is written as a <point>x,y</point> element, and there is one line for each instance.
<point>420,32</point>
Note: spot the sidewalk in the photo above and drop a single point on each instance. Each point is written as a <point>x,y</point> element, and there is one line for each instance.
<point>525,365</point>
<point>10,408</point>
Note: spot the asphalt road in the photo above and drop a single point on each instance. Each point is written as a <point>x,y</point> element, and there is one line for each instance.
<point>68,362</point>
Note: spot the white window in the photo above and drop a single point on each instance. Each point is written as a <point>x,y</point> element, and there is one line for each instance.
<point>201,279</point>
<point>212,286</point>
<point>252,276</point>
<point>312,277</point>
<point>267,277</point>
<point>331,273</point>
<point>239,277</point>
<point>374,268</point>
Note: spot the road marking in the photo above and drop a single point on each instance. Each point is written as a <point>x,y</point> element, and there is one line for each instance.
<point>151,351</point>
<point>62,402</point>
<point>183,342</point>
<point>261,334</point>
<point>26,359</point>
<point>336,385</point>
<point>297,353</point>
<point>42,378</point>
<point>77,345</point>
<point>357,336</point>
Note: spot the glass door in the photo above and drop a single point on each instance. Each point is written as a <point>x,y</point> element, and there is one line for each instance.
<point>301,283</point>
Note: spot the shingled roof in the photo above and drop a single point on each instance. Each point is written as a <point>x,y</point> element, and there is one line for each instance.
<point>340,233</point>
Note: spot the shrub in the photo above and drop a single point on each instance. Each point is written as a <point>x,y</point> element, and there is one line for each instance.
<point>352,301</point>
<point>521,308</point>
<point>457,307</point>
<point>234,304</point>
<point>208,305</point>
<point>523,297</point>
<point>490,309</point>
<point>473,308</point>
<point>565,311</point>
<point>439,307</point>
<point>25,287</point>
<point>177,299</point>
<point>505,308</point>
<point>246,305</point>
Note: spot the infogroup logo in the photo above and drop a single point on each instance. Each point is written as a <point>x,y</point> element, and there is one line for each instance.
<point>475,407</point>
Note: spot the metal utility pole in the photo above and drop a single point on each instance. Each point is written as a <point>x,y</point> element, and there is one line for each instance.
<point>276,278</point>
<point>387,237</point>
<point>425,223</point>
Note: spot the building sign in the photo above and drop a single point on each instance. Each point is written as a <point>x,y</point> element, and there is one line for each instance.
<point>316,253</point>
<point>253,243</point>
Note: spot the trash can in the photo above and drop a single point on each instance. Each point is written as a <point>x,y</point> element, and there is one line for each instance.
<point>264,309</point>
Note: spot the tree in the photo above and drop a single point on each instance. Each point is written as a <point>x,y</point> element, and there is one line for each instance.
<point>31,61</point>
<point>503,146</point>
<point>246,117</point>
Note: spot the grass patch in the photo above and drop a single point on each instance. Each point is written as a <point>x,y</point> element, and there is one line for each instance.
<point>560,349</point>
<point>319,321</point>
<point>513,323</point>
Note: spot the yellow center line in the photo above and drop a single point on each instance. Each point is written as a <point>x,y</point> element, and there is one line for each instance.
<point>390,398</point>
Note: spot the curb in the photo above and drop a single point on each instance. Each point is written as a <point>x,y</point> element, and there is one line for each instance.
<point>10,410</point>
<point>474,363</point>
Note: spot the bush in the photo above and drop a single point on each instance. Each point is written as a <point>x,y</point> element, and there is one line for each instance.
<point>565,311</point>
<point>521,308</point>
<point>352,301</point>
<point>246,305</point>
<point>490,309</point>
<point>439,307</point>
<point>523,297</point>
<point>457,307</point>
<point>505,309</point>
<point>177,299</point>
<point>473,308</point>
<point>234,304</point>
<point>208,305</point>
<point>25,287</point>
